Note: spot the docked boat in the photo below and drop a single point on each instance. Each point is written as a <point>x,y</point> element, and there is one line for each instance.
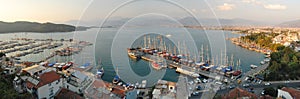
<point>86,67</point>
<point>199,63</point>
<point>144,83</point>
<point>100,73</point>
<point>130,86</point>
<point>157,65</point>
<point>237,73</point>
<point>262,62</point>
<point>253,66</point>
<point>131,55</point>
<point>116,80</point>
<point>267,59</point>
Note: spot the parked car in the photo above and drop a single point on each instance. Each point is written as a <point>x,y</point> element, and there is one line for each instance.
<point>220,83</point>
<point>263,92</point>
<point>199,88</point>
<point>195,93</point>
<point>246,85</point>
<point>267,84</point>
<point>231,86</point>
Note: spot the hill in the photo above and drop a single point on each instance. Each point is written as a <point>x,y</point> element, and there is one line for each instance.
<point>290,24</point>
<point>222,22</point>
<point>24,26</point>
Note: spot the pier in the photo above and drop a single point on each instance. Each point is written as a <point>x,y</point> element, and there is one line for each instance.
<point>191,69</point>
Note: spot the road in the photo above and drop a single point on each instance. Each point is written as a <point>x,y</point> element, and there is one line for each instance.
<point>259,87</point>
<point>254,71</point>
<point>182,88</point>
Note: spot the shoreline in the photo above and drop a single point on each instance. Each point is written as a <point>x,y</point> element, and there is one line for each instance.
<point>250,46</point>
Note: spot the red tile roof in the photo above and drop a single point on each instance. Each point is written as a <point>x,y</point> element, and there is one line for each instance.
<point>44,79</point>
<point>48,77</point>
<point>119,92</point>
<point>294,92</point>
<point>67,94</point>
<point>266,97</point>
<point>29,85</point>
<point>238,93</point>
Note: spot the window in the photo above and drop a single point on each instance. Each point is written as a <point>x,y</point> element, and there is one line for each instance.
<point>51,91</point>
<point>58,81</point>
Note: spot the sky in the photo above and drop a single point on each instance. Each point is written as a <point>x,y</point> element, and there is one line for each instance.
<point>61,11</point>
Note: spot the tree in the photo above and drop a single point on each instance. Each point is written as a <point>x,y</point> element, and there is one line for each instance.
<point>2,54</point>
<point>295,59</point>
<point>280,47</point>
<point>285,58</point>
<point>270,91</point>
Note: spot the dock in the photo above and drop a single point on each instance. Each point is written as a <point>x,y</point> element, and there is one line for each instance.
<point>191,69</point>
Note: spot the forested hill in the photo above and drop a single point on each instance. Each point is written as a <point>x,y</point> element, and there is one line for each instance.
<point>23,26</point>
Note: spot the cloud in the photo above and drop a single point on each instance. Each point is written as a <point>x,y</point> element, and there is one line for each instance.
<point>248,1</point>
<point>252,2</point>
<point>275,7</point>
<point>267,6</point>
<point>226,7</point>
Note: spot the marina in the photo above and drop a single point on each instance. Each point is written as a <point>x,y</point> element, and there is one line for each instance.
<point>159,57</point>
<point>140,67</point>
<point>226,71</point>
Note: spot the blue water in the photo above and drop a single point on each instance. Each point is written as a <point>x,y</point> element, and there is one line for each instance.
<point>114,41</point>
<point>142,68</point>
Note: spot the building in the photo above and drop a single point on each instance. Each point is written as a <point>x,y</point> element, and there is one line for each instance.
<point>67,94</point>
<point>239,93</point>
<point>164,90</point>
<point>45,86</point>
<point>77,82</point>
<point>8,66</point>
<point>99,90</point>
<point>288,93</point>
<point>33,70</point>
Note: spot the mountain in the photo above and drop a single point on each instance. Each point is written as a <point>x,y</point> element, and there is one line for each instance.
<point>221,22</point>
<point>24,26</point>
<point>290,24</point>
<point>163,21</point>
<point>118,22</point>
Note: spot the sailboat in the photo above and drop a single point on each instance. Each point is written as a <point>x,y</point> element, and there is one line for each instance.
<point>238,72</point>
<point>200,63</point>
<point>100,72</point>
<point>116,79</point>
<point>158,65</point>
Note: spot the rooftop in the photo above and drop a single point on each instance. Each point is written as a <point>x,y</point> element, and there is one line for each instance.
<point>33,69</point>
<point>294,92</point>
<point>239,93</point>
<point>44,79</point>
<point>67,94</point>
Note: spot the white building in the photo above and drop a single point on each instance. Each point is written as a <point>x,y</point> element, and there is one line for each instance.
<point>77,82</point>
<point>288,93</point>
<point>8,66</point>
<point>45,86</point>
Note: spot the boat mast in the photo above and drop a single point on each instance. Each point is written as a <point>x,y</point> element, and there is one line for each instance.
<point>231,62</point>
<point>117,70</point>
<point>202,54</point>
<point>221,57</point>
<point>145,41</point>
<point>207,55</point>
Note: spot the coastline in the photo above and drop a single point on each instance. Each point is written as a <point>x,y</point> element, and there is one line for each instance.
<point>250,46</point>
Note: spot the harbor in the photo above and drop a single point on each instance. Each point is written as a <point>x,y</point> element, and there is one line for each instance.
<point>20,48</point>
<point>186,64</point>
<point>192,72</point>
